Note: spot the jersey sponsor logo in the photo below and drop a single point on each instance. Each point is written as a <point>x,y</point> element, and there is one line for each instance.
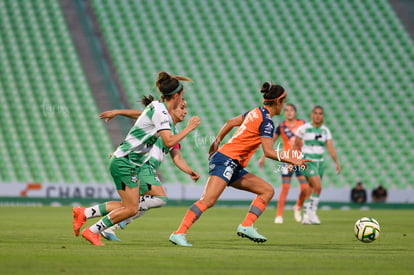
<point>165,122</point>
<point>318,136</point>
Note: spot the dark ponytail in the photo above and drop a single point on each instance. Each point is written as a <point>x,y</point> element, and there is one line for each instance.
<point>169,84</point>
<point>270,92</point>
<point>147,100</point>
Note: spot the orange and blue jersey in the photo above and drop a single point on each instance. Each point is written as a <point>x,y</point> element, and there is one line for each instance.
<point>288,133</point>
<point>257,124</point>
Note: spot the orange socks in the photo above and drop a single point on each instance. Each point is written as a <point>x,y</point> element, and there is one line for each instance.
<point>256,208</point>
<point>282,199</point>
<point>192,215</point>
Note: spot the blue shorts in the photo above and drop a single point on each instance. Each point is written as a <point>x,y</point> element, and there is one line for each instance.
<point>226,168</point>
<point>287,173</point>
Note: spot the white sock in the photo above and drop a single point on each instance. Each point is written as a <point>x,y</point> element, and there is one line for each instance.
<point>96,211</point>
<point>101,225</point>
<point>314,203</point>
<point>306,207</point>
<point>146,203</point>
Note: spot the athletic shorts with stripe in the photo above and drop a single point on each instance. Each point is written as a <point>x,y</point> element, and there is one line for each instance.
<point>226,168</point>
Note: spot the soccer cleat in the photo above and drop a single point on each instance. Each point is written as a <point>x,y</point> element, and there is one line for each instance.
<point>121,225</point>
<point>109,233</point>
<point>179,239</point>
<point>306,219</point>
<point>279,219</point>
<point>250,233</point>
<point>91,237</point>
<point>79,219</point>
<point>297,214</point>
<point>315,219</point>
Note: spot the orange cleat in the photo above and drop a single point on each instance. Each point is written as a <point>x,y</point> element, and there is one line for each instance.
<point>79,219</point>
<point>91,237</point>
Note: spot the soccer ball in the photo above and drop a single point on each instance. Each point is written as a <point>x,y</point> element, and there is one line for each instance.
<point>367,229</point>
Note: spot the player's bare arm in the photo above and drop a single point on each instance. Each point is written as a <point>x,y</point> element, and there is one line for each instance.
<point>108,115</point>
<point>332,152</point>
<point>182,164</point>
<point>269,152</point>
<point>170,140</point>
<point>263,157</point>
<point>227,127</point>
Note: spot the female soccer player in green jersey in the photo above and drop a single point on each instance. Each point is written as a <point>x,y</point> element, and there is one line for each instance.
<point>155,122</point>
<point>153,194</point>
<point>314,136</point>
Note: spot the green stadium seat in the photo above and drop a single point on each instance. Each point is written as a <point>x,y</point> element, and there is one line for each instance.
<point>52,104</point>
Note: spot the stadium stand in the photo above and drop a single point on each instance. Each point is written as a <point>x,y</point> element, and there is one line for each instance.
<point>352,57</point>
<point>50,131</point>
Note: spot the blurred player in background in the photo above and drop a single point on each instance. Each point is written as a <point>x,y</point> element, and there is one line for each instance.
<point>125,164</point>
<point>286,130</point>
<point>227,164</point>
<point>312,138</point>
<point>153,194</point>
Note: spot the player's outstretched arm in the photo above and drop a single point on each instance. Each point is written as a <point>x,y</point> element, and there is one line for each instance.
<point>263,157</point>
<point>182,164</point>
<point>230,124</point>
<point>269,152</point>
<point>170,140</point>
<point>108,115</point>
<point>332,152</point>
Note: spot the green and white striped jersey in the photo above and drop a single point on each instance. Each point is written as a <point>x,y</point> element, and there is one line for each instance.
<point>144,134</point>
<point>314,140</point>
<point>158,152</point>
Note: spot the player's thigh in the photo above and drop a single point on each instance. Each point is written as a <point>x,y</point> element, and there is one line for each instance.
<point>129,197</point>
<point>254,184</point>
<point>213,190</point>
<point>157,190</point>
<point>314,182</point>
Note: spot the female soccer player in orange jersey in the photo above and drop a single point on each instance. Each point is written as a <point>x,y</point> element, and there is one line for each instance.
<point>287,131</point>
<point>228,162</point>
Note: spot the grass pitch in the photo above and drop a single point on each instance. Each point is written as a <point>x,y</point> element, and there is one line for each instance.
<point>39,240</point>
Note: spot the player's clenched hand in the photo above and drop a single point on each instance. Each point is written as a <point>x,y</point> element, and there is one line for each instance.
<point>194,176</point>
<point>193,123</point>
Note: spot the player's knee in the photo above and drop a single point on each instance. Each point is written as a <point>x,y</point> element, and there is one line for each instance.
<point>268,193</point>
<point>132,211</point>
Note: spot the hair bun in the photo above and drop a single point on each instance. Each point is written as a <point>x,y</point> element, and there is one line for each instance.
<point>162,76</point>
<point>265,87</point>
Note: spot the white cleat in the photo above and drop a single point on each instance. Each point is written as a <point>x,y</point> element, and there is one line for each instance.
<point>315,219</point>
<point>279,219</point>
<point>297,213</point>
<point>306,219</point>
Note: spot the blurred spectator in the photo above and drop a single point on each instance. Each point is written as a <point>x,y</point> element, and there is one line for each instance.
<point>358,193</point>
<point>379,194</point>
